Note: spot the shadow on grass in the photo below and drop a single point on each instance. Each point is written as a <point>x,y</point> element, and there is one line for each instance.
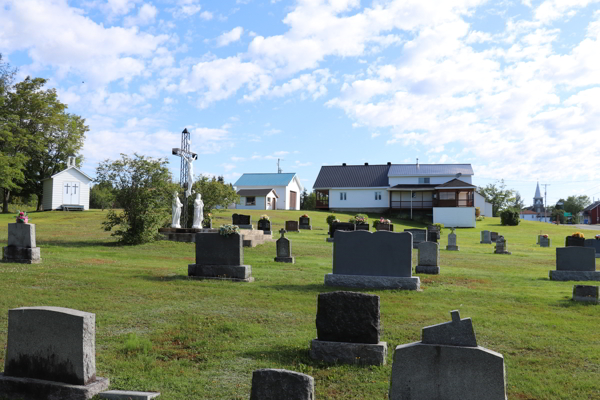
<point>315,288</point>
<point>283,355</point>
<point>59,243</point>
<point>164,278</point>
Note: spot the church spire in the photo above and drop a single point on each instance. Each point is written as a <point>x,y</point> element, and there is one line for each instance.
<point>538,200</point>
<point>537,192</point>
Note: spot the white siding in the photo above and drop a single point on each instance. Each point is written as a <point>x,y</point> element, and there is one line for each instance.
<point>47,197</point>
<point>460,217</point>
<point>70,175</point>
<point>485,208</point>
<point>260,204</point>
<point>282,191</point>
<point>433,180</point>
<point>358,198</point>
<point>292,187</point>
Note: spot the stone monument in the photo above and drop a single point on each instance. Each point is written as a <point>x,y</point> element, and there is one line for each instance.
<point>280,384</point>
<point>575,263</point>
<point>485,237</point>
<point>501,246</point>
<point>419,235</point>
<point>544,241</point>
<point>373,260</point>
<point>21,245</point>
<point>220,257</point>
<point>586,294</point>
<point>348,329</point>
<point>305,223</point>
<point>128,395</point>
<point>242,221</point>
<point>284,249</point>
<point>265,226</point>
<point>291,226</point>
<point>494,236</point>
<point>447,364</point>
<point>429,258</point>
<point>50,354</point>
<point>340,226</point>
<point>594,244</point>
<point>452,241</point>
<point>436,229</point>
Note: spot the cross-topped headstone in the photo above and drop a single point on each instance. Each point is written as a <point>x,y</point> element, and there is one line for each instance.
<point>186,177</point>
<point>284,249</point>
<point>282,231</point>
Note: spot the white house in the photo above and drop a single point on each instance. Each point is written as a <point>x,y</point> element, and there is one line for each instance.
<point>485,208</point>
<point>269,191</point>
<point>442,190</point>
<point>68,189</point>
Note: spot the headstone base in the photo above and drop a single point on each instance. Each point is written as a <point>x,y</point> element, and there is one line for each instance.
<point>128,395</point>
<point>586,294</point>
<point>230,272</point>
<point>482,242</point>
<point>290,260</point>
<point>427,269</point>
<point>308,227</point>
<point>348,353</point>
<point>22,255</point>
<point>502,252</point>
<point>250,227</point>
<point>373,282</point>
<point>36,389</point>
<point>329,240</point>
<point>574,275</point>
<point>452,248</point>
<point>267,232</point>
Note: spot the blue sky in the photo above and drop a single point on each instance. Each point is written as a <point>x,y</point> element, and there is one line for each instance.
<point>511,87</point>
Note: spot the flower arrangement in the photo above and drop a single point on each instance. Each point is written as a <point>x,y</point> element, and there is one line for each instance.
<point>264,217</point>
<point>358,219</point>
<point>226,230</point>
<point>381,221</point>
<point>22,217</point>
<point>304,216</point>
<point>597,237</point>
<point>578,235</point>
<point>545,236</point>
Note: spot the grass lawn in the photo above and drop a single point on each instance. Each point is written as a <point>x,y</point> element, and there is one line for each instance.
<point>157,330</point>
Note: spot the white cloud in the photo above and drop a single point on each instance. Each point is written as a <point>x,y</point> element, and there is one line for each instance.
<point>146,15</point>
<point>228,167</point>
<point>229,37</point>
<point>206,15</point>
<point>186,8</point>
<point>237,159</point>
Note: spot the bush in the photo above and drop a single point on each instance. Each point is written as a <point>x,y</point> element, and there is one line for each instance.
<point>509,217</point>
<point>330,219</point>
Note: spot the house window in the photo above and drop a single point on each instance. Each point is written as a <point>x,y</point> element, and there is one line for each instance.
<point>447,196</point>
<point>414,195</point>
<point>342,195</point>
<point>377,195</point>
<point>424,180</point>
<point>251,201</point>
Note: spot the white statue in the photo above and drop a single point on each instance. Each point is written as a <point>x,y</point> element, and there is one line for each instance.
<point>176,207</point>
<point>190,178</point>
<point>198,212</point>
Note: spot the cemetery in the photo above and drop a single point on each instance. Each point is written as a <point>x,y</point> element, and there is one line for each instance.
<point>163,326</point>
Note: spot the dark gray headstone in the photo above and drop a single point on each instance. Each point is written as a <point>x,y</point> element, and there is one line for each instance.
<point>419,235</point>
<point>432,236</point>
<point>545,242</point>
<point>264,225</point>
<point>216,249</point>
<point>501,246</point>
<point>494,236</point>
<point>291,226</point>
<point>341,226</point>
<point>280,384</point>
<point>586,293</point>
<point>385,227</point>
<point>362,227</point>
<point>458,332</point>
<point>575,258</point>
<point>434,228</point>
<point>284,249</point>
<point>348,317</point>
<point>594,244</point>
<point>379,253</point>
<point>241,219</point>
<point>486,237</point>
<point>21,235</point>
<point>452,242</point>
<point>571,241</point>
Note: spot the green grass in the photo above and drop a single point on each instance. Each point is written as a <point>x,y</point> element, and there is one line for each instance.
<point>157,330</point>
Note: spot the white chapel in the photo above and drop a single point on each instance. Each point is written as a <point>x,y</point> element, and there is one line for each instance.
<point>67,190</point>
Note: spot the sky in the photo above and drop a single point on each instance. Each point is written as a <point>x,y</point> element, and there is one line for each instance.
<point>511,87</point>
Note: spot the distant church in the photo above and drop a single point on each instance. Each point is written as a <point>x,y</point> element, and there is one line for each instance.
<point>536,211</point>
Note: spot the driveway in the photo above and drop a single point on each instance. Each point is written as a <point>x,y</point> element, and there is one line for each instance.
<point>591,227</point>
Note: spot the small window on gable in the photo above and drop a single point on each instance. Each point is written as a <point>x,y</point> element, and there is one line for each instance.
<point>424,180</point>
<point>377,195</point>
<point>342,195</point>
<point>251,201</point>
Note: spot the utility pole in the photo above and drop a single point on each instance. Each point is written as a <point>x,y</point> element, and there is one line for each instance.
<point>278,167</point>
<point>545,185</point>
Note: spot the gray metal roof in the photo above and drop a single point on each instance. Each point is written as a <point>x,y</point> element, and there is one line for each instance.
<point>455,183</point>
<point>430,169</point>
<point>255,192</point>
<point>347,176</point>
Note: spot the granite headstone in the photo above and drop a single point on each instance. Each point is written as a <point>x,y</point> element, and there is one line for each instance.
<point>594,244</point>
<point>486,237</point>
<point>220,257</point>
<point>575,263</point>
<point>281,384</point>
<point>284,249</point>
<point>419,235</point>
<point>429,258</point>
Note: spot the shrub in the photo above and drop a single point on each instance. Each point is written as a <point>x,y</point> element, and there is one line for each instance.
<point>359,219</point>
<point>509,217</point>
<point>477,212</point>
<point>331,219</point>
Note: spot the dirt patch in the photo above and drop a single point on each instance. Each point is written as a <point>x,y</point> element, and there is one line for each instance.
<point>97,261</point>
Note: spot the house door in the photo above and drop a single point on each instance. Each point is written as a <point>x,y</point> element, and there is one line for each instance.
<point>71,193</point>
<point>274,204</point>
<point>292,200</point>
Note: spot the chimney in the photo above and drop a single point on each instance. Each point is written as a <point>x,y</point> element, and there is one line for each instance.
<point>71,161</point>
<point>343,164</point>
<point>417,162</point>
<point>366,163</point>
<point>389,163</point>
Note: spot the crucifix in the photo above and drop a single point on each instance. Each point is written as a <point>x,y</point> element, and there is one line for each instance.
<point>186,178</point>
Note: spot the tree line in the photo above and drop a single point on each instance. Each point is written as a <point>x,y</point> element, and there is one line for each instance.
<point>37,135</point>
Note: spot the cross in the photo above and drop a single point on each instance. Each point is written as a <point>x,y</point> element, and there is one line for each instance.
<point>184,180</point>
<point>67,188</point>
<point>282,231</point>
<point>74,188</point>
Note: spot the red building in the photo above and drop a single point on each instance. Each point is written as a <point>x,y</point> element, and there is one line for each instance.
<point>592,213</point>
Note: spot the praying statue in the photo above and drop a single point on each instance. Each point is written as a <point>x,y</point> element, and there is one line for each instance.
<point>176,207</point>
<point>198,212</point>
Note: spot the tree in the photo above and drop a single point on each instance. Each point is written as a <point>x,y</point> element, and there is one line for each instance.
<point>102,196</point>
<point>558,215</point>
<point>510,217</point>
<point>518,203</point>
<point>215,192</point>
<point>576,204</point>
<point>308,201</point>
<point>144,190</point>
<point>497,195</point>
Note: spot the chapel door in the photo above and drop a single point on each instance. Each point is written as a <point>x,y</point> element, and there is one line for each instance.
<point>71,193</point>
<point>293,200</point>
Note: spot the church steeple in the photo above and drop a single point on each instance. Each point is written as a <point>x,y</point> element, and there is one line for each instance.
<point>538,200</point>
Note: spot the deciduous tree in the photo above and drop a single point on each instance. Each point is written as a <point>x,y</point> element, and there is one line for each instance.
<point>497,195</point>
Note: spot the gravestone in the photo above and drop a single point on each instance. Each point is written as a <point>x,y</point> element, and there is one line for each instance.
<point>284,249</point>
<point>538,239</point>
<point>21,245</point>
<point>429,258</point>
<point>452,242</point>
<point>220,257</point>
<point>571,241</point>
<point>340,226</point>
<point>575,263</point>
<point>432,236</point>
<point>494,236</point>
<point>419,235</point>
<point>348,329</point>
<point>50,353</point>
<point>545,241</point>
<point>486,237</point>
<point>501,246</point>
<point>280,384</point>
<point>265,226</point>
<point>242,221</point>
<point>586,294</point>
<point>362,227</point>
<point>128,395</point>
<point>594,244</point>
<point>291,226</point>
<point>305,223</point>
<point>447,364</point>
<point>385,227</point>
<point>374,260</point>
<point>436,229</point>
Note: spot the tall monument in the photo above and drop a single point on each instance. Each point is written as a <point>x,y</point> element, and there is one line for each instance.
<point>186,178</point>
